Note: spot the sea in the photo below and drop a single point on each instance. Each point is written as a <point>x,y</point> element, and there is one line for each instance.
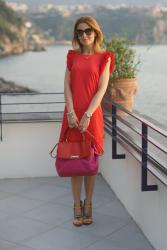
<point>44,71</point>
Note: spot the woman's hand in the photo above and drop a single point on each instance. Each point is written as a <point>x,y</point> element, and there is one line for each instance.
<point>84,123</point>
<point>73,121</point>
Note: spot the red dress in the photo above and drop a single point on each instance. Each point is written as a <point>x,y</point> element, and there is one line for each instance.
<point>84,78</point>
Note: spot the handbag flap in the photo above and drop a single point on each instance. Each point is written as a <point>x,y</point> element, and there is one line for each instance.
<point>73,150</point>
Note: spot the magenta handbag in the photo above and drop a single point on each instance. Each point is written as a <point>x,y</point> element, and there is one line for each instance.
<point>78,167</point>
<point>78,160</point>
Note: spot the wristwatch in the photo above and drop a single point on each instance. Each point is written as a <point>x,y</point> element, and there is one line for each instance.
<point>88,114</point>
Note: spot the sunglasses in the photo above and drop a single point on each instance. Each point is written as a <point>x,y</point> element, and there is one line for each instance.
<point>87,31</point>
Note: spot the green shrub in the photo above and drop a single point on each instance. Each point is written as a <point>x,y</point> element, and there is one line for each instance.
<point>126,65</point>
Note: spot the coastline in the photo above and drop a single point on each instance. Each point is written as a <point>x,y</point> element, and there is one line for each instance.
<point>38,47</point>
<point>11,87</point>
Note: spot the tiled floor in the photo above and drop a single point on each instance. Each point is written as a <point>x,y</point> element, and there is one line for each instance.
<point>36,213</point>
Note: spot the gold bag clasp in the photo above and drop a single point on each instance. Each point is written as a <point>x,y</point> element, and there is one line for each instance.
<point>74,156</point>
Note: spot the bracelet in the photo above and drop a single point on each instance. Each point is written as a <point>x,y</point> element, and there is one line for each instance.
<point>70,114</point>
<point>88,115</point>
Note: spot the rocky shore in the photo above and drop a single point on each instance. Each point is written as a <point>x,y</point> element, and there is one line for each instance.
<point>12,87</point>
<point>15,48</point>
<point>18,47</point>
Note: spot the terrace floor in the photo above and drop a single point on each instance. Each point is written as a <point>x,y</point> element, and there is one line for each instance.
<point>36,213</point>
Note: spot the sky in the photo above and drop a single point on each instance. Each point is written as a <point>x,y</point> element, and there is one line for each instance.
<point>100,2</point>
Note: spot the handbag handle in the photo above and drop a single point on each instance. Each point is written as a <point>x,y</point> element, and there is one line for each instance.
<point>52,151</point>
<point>82,137</point>
<point>94,138</point>
<point>67,129</point>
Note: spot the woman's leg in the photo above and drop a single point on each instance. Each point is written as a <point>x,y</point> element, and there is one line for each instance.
<point>89,182</point>
<point>76,182</point>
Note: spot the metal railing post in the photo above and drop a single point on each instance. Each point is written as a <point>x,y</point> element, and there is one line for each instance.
<point>114,135</point>
<point>1,114</point>
<point>144,185</point>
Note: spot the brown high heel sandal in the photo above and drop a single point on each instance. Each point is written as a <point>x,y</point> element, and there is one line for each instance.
<point>78,218</point>
<point>87,217</point>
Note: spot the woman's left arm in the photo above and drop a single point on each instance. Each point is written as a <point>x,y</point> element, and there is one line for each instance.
<point>96,100</point>
<point>103,83</point>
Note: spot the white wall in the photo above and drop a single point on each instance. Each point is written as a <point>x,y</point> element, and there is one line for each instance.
<point>149,208</point>
<point>24,151</point>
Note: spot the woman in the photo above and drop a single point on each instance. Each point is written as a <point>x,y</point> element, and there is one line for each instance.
<point>86,79</point>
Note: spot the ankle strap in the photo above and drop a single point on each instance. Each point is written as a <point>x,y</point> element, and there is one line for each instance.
<point>76,206</point>
<point>87,204</point>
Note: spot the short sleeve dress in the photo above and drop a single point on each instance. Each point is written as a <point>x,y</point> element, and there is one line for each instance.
<point>84,77</point>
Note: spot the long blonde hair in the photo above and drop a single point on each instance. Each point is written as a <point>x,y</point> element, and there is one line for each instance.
<point>89,20</point>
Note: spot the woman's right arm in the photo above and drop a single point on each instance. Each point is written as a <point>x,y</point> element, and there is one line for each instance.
<point>67,91</point>
<point>73,121</point>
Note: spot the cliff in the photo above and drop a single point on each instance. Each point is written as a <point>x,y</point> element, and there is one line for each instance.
<point>16,46</point>
<point>15,36</point>
<point>13,33</point>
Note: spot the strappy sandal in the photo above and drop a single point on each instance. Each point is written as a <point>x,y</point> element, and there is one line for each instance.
<point>78,218</point>
<point>87,216</point>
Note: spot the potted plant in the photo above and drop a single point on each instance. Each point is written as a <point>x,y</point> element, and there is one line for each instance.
<point>122,84</point>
